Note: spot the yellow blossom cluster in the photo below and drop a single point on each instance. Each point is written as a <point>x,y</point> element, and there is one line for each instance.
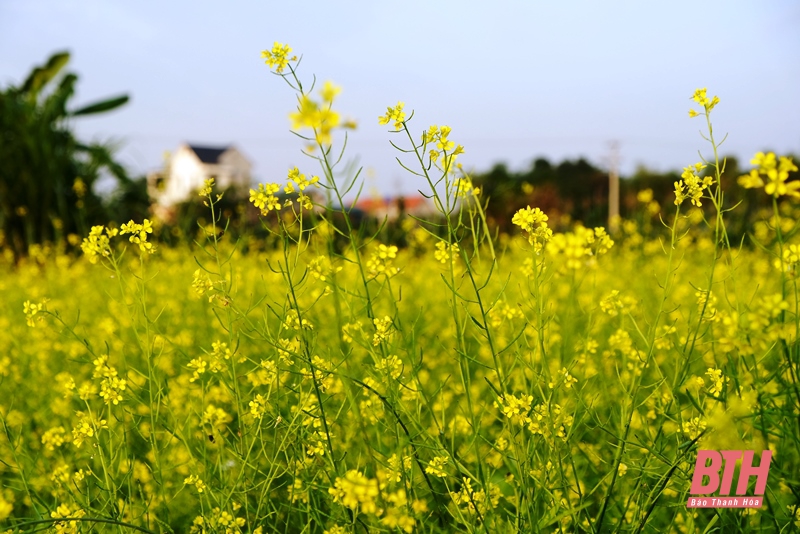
<point>208,185</point>
<point>534,223</point>
<point>580,245</point>
<point>383,330</point>
<point>394,114</point>
<point>64,511</point>
<point>321,388</point>
<point>436,466</point>
<point>33,312</point>
<point>264,198</point>
<point>356,491</point>
<point>97,244</point>
<point>476,501</point>
<point>321,268</point>
<point>218,521</point>
<point>517,409</point>
<point>789,260</point>
<point>464,187</point>
<point>138,234</point>
<point>701,98</point>
<point>772,174</point>
<point>195,481</point>
<point>442,152</point>
<point>392,366</point>
<point>382,261</point>
<point>318,115</point>
<point>87,427</point>
<point>258,406</point>
<point>278,57</point>
<point>613,304</point>
<point>691,186</point>
<point>446,252</point>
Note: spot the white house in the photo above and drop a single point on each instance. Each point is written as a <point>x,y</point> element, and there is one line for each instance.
<point>190,166</point>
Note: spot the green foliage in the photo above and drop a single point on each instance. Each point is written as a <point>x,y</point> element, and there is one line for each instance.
<point>571,187</point>
<point>46,175</point>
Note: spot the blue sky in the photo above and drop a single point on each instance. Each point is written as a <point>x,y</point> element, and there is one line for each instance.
<point>515,80</point>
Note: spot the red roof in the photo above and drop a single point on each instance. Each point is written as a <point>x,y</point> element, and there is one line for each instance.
<point>372,204</point>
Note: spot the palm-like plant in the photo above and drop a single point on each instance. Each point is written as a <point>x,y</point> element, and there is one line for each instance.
<point>46,175</point>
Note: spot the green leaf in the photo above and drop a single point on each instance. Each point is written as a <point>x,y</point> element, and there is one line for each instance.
<point>41,75</point>
<point>477,323</point>
<point>100,107</point>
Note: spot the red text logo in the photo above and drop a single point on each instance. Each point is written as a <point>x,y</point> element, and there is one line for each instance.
<point>719,468</point>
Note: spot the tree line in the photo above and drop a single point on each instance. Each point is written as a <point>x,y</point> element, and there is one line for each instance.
<point>47,177</point>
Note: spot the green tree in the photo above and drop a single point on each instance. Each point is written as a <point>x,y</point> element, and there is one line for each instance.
<point>574,187</point>
<point>46,174</point>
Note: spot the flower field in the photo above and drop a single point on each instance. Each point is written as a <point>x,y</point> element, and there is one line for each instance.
<point>561,379</point>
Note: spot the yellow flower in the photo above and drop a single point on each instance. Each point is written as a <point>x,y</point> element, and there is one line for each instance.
<point>278,58</point>
<point>393,366</point>
<point>139,234</point>
<point>329,91</point>
<point>321,268</point>
<point>445,148</point>
<point>87,428</point>
<point>67,527</point>
<point>264,198</point>
<point>446,252</point>
<point>694,427</point>
<point>382,261</point>
<point>293,322</point>
<point>300,179</point>
<point>198,365</point>
<point>692,186</point>
<point>645,196</point>
<point>202,284</point>
<point>79,186</point>
<point>563,377</point>
<point>216,417</point>
<point>258,406</point>
<point>751,180</point>
<point>790,260</point>
<point>702,99</point>
<point>517,409</point>
<point>534,222</point>
<point>55,437</point>
<point>349,330</point>
<point>31,312</point>
<point>437,465</point>
<point>194,480</point>
<point>98,244</point>
<point>305,201</point>
<point>306,114</point>
<point>383,330</point>
<point>395,114</point>
<point>356,491</point>
<point>206,189</point>
<point>321,119</point>
<point>577,246</point>
<point>111,389</point>
<point>717,381</point>
<point>464,187</point>
<point>772,173</point>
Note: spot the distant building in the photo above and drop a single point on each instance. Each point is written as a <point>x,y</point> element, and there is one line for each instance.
<point>391,208</point>
<point>190,166</point>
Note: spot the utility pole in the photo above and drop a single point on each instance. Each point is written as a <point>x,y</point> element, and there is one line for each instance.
<point>613,187</point>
